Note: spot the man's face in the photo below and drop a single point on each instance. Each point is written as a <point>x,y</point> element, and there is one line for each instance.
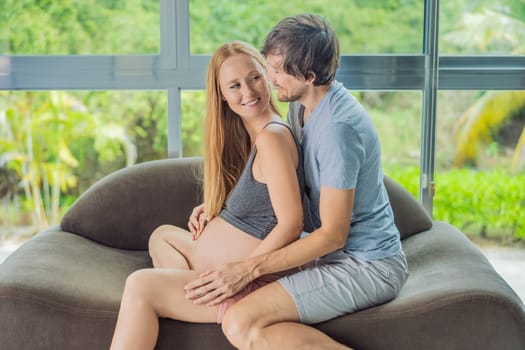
<point>289,88</point>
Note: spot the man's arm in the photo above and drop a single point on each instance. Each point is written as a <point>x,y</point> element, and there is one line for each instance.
<point>215,285</point>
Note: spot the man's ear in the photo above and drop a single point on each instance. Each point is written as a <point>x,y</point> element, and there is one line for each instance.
<point>310,77</point>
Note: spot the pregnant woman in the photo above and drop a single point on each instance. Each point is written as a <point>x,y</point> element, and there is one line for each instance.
<point>253,183</point>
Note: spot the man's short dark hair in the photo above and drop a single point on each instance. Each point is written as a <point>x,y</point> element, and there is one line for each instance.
<point>308,45</point>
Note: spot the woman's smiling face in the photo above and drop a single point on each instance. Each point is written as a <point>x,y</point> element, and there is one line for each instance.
<point>244,86</point>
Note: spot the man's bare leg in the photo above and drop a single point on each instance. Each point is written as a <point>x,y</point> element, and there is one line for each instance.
<point>268,319</point>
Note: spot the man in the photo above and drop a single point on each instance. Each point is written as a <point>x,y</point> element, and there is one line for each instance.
<point>353,258</point>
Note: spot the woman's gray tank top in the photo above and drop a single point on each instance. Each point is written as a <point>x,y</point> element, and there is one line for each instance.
<point>248,206</point>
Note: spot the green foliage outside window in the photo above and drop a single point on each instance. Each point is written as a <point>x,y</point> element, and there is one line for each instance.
<point>79,27</point>
<point>371,26</point>
<point>486,204</point>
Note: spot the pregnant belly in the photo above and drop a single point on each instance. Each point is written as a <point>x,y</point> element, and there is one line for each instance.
<point>221,242</point>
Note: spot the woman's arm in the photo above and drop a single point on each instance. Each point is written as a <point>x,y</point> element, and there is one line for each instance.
<point>275,165</point>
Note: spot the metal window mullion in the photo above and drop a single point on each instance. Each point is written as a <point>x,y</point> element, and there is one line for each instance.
<point>168,39</point>
<point>428,126</point>
<point>482,72</point>
<point>182,13</point>
<point>174,26</point>
<point>382,72</point>
<point>357,72</point>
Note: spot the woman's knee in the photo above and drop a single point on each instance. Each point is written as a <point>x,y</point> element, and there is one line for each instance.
<point>137,284</point>
<point>158,235</point>
<point>156,240</point>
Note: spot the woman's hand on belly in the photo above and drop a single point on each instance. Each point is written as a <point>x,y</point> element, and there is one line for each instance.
<point>197,221</point>
<point>221,242</point>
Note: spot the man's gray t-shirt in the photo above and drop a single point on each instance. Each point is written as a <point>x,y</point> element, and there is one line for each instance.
<point>341,150</point>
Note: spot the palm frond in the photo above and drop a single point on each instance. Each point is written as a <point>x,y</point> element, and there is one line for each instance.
<point>486,115</point>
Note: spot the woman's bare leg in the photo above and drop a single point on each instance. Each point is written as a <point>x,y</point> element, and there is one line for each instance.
<point>171,247</point>
<point>268,319</point>
<point>150,294</point>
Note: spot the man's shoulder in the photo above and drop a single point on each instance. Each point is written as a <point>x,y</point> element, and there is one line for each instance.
<point>346,109</point>
<point>343,103</point>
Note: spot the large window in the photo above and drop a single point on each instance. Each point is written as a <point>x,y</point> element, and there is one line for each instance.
<point>419,67</point>
<point>480,134</point>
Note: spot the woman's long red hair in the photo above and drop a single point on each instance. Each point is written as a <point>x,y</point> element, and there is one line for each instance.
<point>227,143</point>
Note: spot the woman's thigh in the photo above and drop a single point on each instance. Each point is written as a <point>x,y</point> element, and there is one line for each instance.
<point>164,290</point>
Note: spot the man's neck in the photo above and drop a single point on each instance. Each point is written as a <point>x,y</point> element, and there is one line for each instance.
<point>311,99</point>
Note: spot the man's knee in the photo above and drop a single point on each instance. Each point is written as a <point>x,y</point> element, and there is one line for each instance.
<point>239,328</point>
<point>233,325</point>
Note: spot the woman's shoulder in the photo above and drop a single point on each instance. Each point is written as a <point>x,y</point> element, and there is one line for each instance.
<point>277,148</point>
<point>275,134</point>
